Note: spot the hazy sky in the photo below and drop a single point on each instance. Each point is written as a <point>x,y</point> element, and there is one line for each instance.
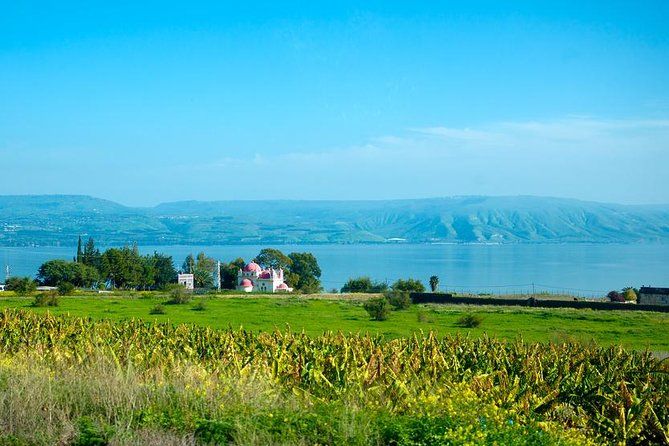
<point>143,102</point>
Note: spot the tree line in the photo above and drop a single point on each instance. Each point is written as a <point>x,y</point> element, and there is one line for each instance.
<point>126,268</point>
<point>364,284</point>
<point>116,268</point>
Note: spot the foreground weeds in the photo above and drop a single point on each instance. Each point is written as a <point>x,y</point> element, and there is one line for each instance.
<point>77,381</point>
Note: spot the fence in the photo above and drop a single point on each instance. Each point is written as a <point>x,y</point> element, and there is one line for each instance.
<point>444,298</point>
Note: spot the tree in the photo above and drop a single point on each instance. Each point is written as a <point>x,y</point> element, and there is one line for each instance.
<point>304,272</point>
<point>615,296</point>
<point>273,258</point>
<point>203,271</point>
<point>188,266</point>
<point>163,270</point>
<point>434,283</point>
<point>22,286</point>
<point>229,272</point>
<point>357,285</point>
<point>79,251</point>
<point>147,277</point>
<point>410,285</point>
<point>123,268</point>
<point>91,255</point>
<point>629,295</point>
<point>54,272</point>
<point>86,276</point>
<point>363,285</point>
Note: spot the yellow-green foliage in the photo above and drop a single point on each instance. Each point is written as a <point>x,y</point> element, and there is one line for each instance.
<point>139,380</point>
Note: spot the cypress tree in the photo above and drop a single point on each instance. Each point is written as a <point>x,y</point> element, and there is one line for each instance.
<point>79,252</point>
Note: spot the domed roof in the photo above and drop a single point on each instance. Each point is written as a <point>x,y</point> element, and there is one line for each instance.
<point>283,286</point>
<point>265,275</point>
<point>246,283</point>
<point>252,267</point>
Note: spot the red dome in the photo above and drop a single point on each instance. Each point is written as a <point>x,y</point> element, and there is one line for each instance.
<point>252,267</point>
<point>265,275</point>
<point>283,286</point>
<point>246,283</point>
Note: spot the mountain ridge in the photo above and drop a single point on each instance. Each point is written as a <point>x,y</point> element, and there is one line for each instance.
<point>48,220</point>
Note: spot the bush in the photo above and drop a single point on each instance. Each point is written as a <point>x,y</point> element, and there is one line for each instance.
<point>469,321</point>
<point>200,306</point>
<point>409,285</point>
<point>615,296</point>
<point>400,300</point>
<point>629,295</point>
<point>158,309</point>
<point>377,308</point>
<point>22,286</point>
<point>65,288</point>
<point>363,285</point>
<point>46,300</point>
<point>179,295</point>
<point>92,433</point>
<point>425,317</point>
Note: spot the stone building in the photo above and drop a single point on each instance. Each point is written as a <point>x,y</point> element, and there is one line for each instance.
<point>653,296</point>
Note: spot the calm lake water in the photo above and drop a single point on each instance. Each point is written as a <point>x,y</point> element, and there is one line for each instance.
<point>587,270</point>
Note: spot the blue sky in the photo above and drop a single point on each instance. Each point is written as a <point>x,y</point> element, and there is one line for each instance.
<point>144,102</point>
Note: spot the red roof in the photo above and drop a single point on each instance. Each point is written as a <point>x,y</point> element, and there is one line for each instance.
<point>283,286</point>
<point>246,283</point>
<point>252,267</point>
<point>265,275</point>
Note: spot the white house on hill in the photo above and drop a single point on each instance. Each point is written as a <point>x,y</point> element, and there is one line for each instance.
<point>253,278</point>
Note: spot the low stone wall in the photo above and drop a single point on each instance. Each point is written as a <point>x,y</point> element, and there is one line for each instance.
<point>444,298</point>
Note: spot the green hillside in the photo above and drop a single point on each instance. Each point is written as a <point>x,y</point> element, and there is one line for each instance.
<point>56,219</point>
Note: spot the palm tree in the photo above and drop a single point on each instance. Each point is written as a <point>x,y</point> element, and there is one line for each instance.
<point>434,283</point>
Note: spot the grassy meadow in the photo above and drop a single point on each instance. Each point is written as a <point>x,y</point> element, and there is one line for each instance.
<point>76,381</point>
<point>320,313</point>
<point>295,370</point>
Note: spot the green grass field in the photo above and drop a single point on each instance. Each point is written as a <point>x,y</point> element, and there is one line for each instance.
<point>314,315</point>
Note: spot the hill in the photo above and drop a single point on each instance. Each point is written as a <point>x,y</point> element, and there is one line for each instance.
<point>58,219</point>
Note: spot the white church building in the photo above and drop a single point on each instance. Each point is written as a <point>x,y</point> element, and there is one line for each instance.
<point>253,278</point>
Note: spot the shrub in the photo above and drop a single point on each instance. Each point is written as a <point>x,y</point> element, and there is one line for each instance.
<point>158,309</point>
<point>22,286</point>
<point>409,285</point>
<point>65,288</point>
<point>49,299</point>
<point>92,433</point>
<point>179,295</point>
<point>425,317</point>
<point>363,285</point>
<point>377,308</point>
<point>629,295</point>
<point>615,296</point>
<point>469,321</point>
<point>400,300</point>
<point>200,306</point>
